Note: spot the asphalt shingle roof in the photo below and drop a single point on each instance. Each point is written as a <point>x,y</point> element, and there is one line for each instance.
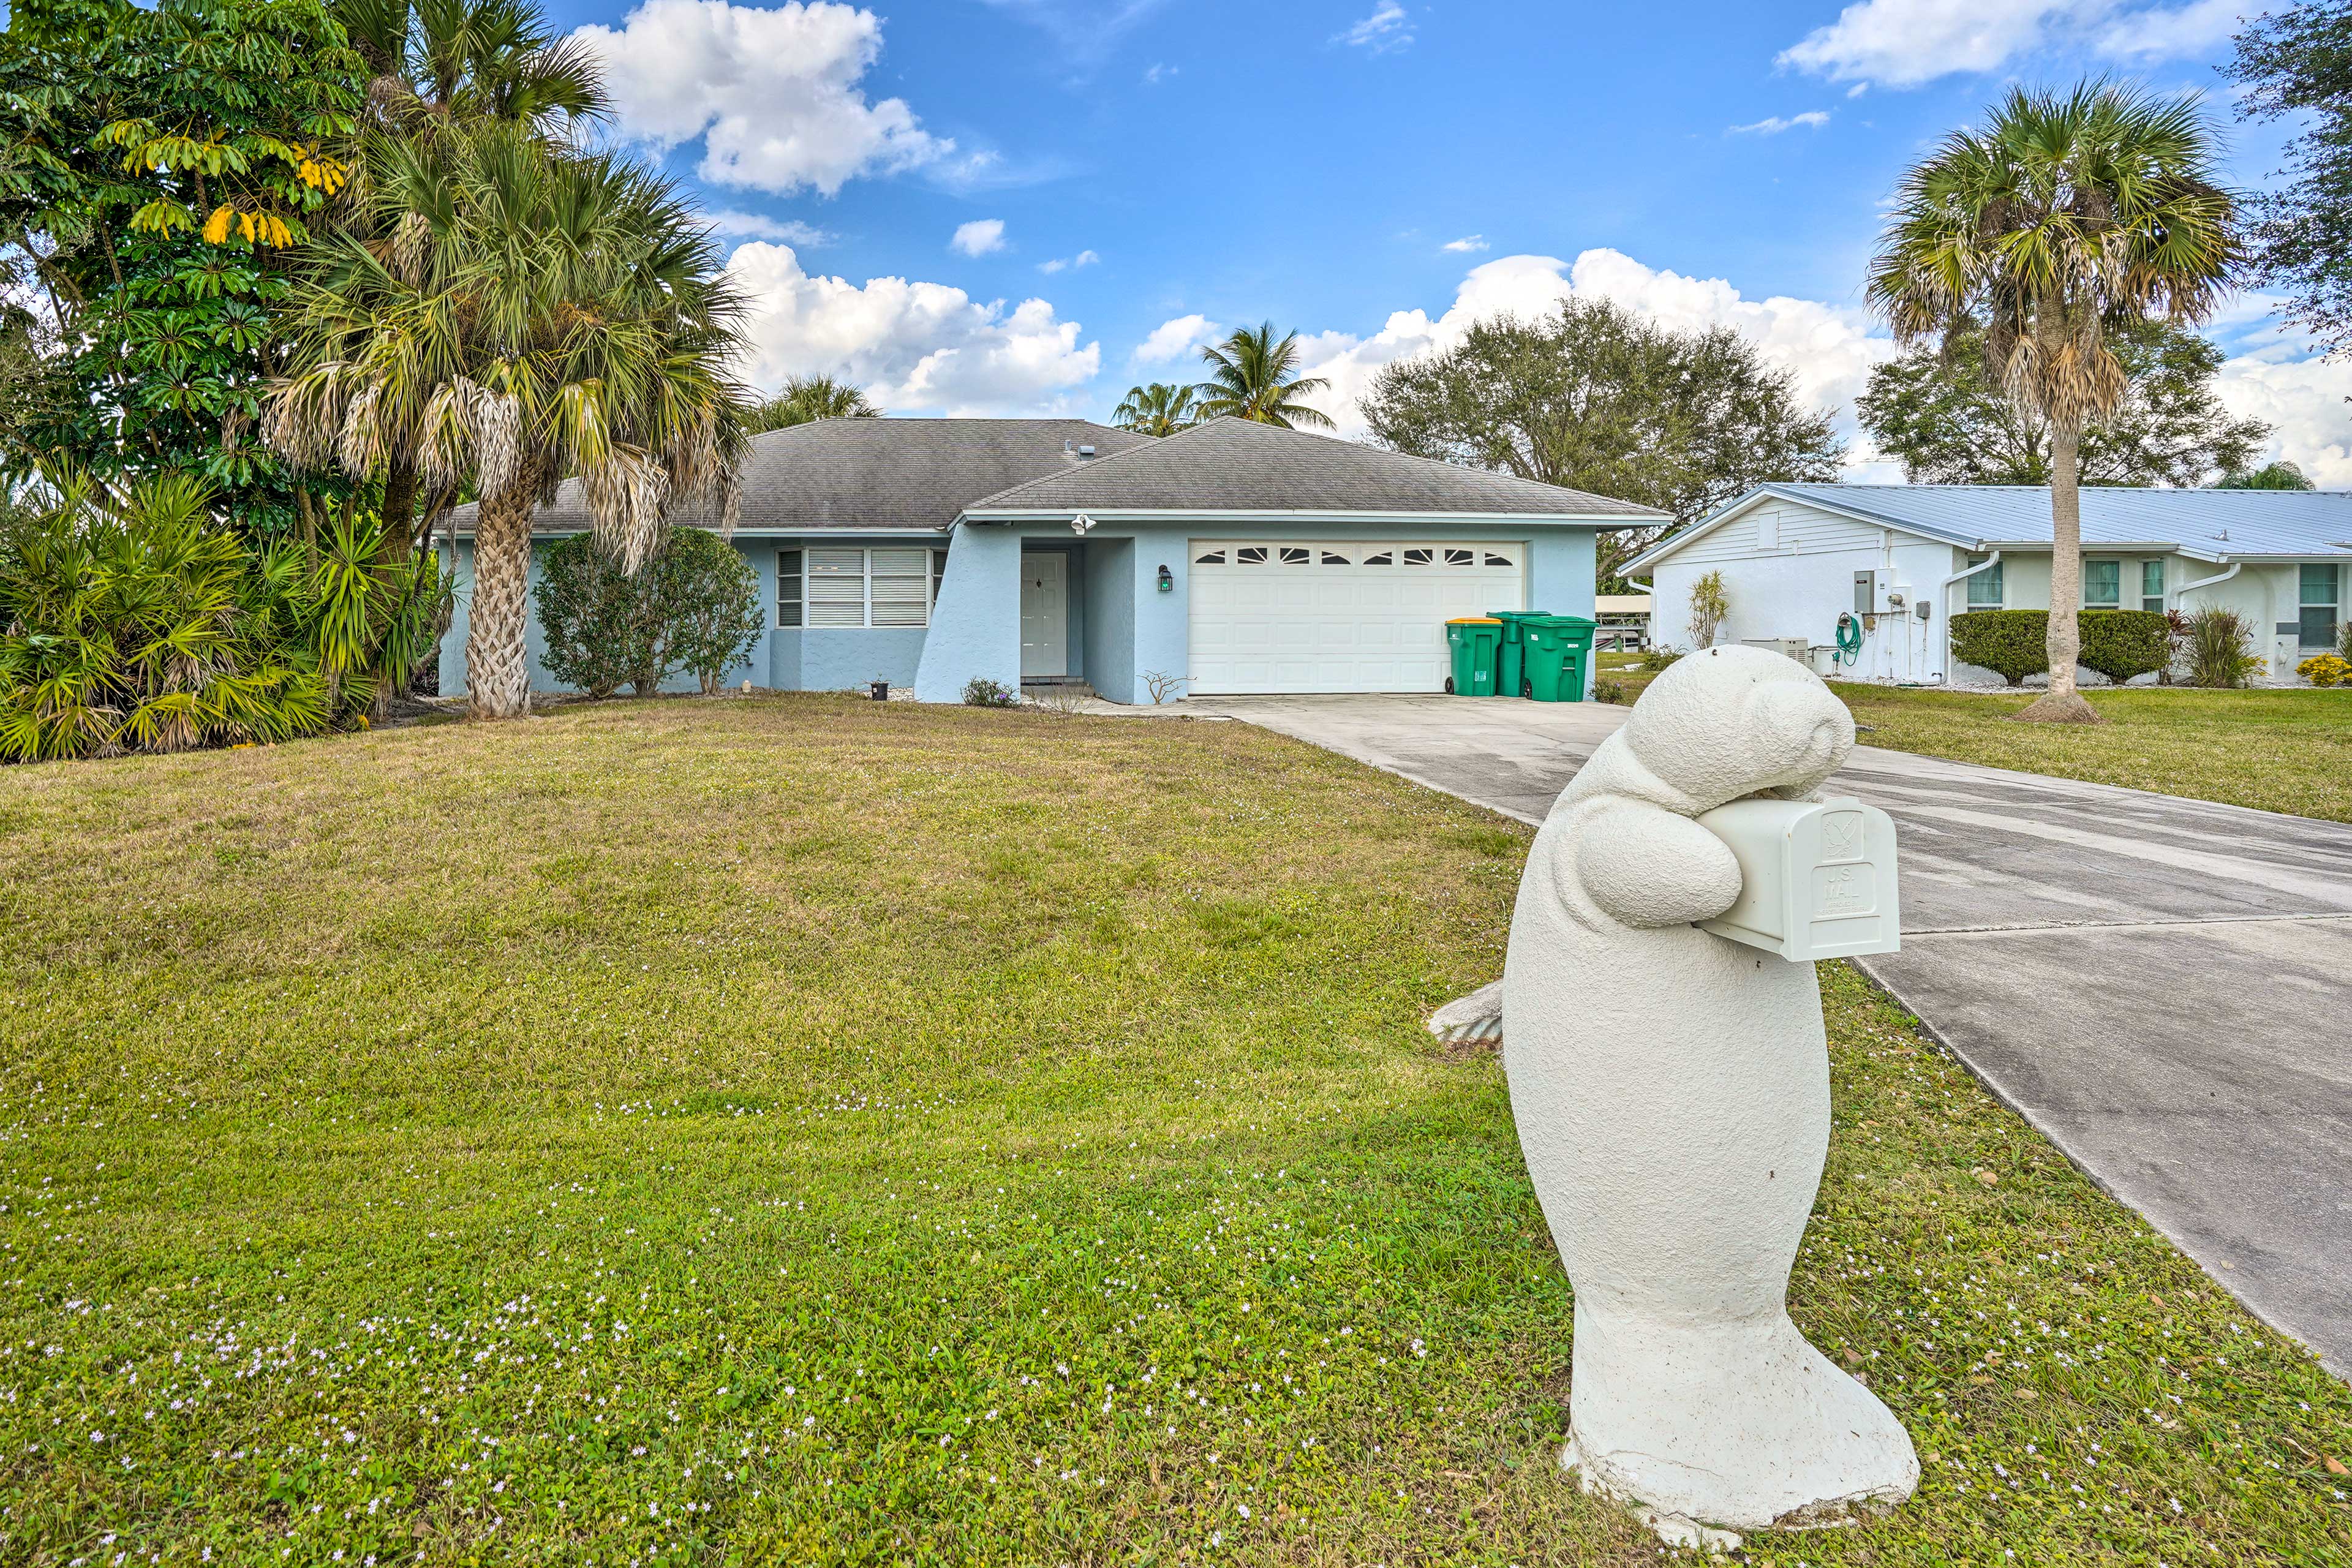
<point>1235,466</point>
<point>879,473</point>
<point>2214,525</point>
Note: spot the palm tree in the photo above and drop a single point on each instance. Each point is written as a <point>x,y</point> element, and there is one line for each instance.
<point>2069,216</point>
<point>1159,409</point>
<point>1252,377</point>
<point>436,66</point>
<point>538,315</point>
<point>808,399</point>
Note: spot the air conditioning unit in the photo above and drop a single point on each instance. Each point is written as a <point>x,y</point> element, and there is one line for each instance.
<point>1787,647</point>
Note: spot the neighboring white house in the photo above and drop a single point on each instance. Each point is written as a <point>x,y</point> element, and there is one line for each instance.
<point>1900,560</point>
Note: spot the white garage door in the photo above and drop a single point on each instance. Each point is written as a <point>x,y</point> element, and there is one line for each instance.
<point>1299,616</point>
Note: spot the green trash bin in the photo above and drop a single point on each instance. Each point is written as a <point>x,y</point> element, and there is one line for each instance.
<point>1512,681</point>
<point>1559,652</point>
<point>1473,640</point>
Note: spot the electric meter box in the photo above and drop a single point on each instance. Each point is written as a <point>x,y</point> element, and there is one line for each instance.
<point>1816,877</point>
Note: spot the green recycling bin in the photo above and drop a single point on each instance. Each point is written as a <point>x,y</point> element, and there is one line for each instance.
<point>1473,640</point>
<point>1512,681</point>
<point>1559,651</point>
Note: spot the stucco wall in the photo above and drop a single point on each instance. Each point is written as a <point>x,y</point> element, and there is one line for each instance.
<point>1107,593</point>
<point>1788,572</point>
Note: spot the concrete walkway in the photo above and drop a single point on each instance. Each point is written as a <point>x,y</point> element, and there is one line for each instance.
<point>2162,986</point>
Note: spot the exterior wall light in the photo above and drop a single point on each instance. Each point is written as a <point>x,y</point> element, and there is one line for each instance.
<point>1166,581</point>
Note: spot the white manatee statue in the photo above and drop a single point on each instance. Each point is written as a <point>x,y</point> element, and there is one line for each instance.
<point>1673,1097</point>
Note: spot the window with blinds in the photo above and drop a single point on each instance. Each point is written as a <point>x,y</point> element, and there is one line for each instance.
<point>898,585</point>
<point>836,587</point>
<point>845,587</point>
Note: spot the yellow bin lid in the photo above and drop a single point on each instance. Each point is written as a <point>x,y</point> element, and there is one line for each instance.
<point>1473,621</point>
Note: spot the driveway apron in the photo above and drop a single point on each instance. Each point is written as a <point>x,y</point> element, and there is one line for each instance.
<point>2158,985</point>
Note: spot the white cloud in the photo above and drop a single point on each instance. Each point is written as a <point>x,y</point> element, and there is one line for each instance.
<point>772,93</point>
<point>1156,73</point>
<point>915,347</point>
<point>1061,263</point>
<point>1772,125</point>
<point>1903,43</point>
<point>1173,339</point>
<point>1829,349</point>
<point>1385,29</point>
<point>760,226</point>
<point>2303,400</point>
<point>979,236</point>
<point>1467,243</point>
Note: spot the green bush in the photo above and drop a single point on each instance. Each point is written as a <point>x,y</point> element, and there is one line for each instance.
<point>2220,649</point>
<point>131,621</point>
<point>709,600</point>
<point>2015,643</point>
<point>603,628</point>
<point>694,606</point>
<point>981,692</point>
<point>2121,644</point>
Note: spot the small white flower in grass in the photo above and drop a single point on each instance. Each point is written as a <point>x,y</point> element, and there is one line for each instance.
<point>1243,1509</point>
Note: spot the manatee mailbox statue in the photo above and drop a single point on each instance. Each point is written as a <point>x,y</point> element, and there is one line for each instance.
<point>1669,1072</point>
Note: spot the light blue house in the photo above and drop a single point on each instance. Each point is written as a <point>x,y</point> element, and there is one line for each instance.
<point>1231,558</point>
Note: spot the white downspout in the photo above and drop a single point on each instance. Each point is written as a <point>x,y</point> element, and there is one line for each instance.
<point>1944,605</point>
<point>2235,567</point>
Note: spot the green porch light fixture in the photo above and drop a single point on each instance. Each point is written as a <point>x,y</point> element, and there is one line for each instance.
<point>1167,580</point>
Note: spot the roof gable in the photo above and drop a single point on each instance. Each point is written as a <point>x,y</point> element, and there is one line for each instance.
<point>2208,524</point>
<point>1235,466</point>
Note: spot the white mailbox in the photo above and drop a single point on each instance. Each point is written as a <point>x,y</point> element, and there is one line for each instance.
<point>1817,877</point>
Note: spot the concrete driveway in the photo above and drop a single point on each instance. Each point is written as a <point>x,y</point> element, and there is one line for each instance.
<point>2160,986</point>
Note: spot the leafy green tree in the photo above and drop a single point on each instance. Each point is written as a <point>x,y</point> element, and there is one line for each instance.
<point>1159,409</point>
<point>808,399</point>
<point>1252,376</point>
<point>711,613</point>
<point>1596,398</point>
<point>2278,476</point>
<point>2067,218</point>
<point>2296,61</point>
<point>163,166</point>
<point>541,313</point>
<point>602,626</point>
<point>1943,414</point>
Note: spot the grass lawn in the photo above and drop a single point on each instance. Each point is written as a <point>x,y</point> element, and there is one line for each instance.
<point>804,1131</point>
<point>2286,750</point>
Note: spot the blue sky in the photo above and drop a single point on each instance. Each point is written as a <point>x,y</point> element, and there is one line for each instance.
<point>1008,207</point>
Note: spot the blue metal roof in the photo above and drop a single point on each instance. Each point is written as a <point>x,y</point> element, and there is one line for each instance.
<point>2211,525</point>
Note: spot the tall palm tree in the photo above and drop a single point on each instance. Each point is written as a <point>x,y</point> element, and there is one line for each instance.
<point>436,66</point>
<point>2068,216</point>
<point>1158,409</point>
<point>540,315</point>
<point>808,399</point>
<point>1251,376</point>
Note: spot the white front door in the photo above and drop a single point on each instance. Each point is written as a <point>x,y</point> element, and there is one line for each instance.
<point>1045,614</point>
<point>1302,615</point>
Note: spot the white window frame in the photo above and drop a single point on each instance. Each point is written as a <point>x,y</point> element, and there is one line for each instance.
<point>2153,603</point>
<point>1992,578</point>
<point>2117,602</point>
<point>2334,607</point>
<point>932,576</point>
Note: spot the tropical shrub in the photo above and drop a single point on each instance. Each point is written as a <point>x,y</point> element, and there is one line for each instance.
<point>981,692</point>
<point>2013,643</point>
<point>602,626</point>
<point>694,605</point>
<point>1709,604</point>
<point>2123,644</point>
<point>132,620</point>
<point>2325,669</point>
<point>709,599</point>
<point>2221,650</point>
